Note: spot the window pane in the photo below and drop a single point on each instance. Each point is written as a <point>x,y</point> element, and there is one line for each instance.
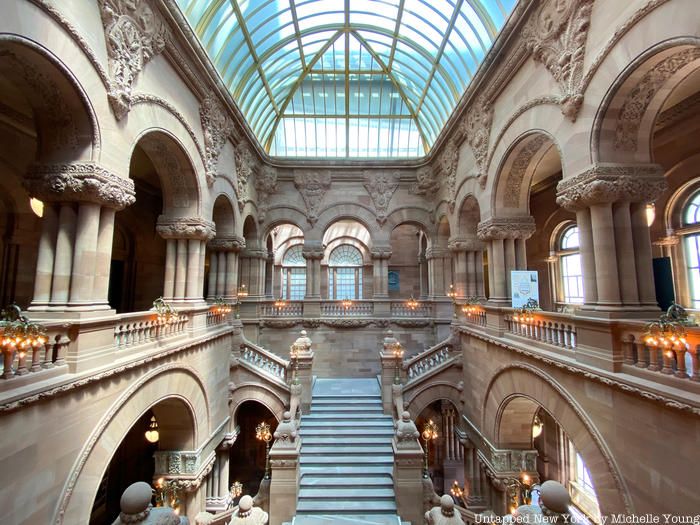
<point>572,278</point>
<point>692,257</point>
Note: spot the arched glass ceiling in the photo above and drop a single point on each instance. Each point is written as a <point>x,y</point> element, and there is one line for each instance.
<point>347,78</point>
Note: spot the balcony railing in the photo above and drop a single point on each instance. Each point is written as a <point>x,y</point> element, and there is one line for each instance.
<point>401,309</point>
<point>264,361</point>
<point>354,309</point>
<point>679,359</point>
<point>51,354</point>
<point>545,327</point>
<point>141,328</point>
<point>428,360</point>
<point>289,309</point>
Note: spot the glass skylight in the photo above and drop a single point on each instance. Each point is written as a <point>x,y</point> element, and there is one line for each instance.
<point>347,78</point>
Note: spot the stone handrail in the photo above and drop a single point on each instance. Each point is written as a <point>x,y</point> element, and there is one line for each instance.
<point>356,309</point>
<point>400,309</point>
<point>264,360</point>
<point>429,359</point>
<point>546,327</point>
<point>52,354</point>
<point>290,309</point>
<point>223,518</point>
<point>138,328</point>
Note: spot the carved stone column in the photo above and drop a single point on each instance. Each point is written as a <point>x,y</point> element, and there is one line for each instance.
<point>468,275</point>
<point>186,239</point>
<point>423,276</point>
<point>223,266</point>
<point>75,248</point>
<point>380,258</point>
<point>439,271</point>
<point>313,254</point>
<point>507,236</point>
<point>615,244</point>
<point>255,259</point>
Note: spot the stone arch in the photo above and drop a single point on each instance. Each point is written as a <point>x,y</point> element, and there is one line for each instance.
<point>65,119</point>
<point>443,232</point>
<point>366,239</point>
<point>517,170</point>
<point>260,393</point>
<point>284,215</point>
<point>345,210</point>
<point>624,123</point>
<point>147,391</point>
<point>677,201</point>
<point>181,191</point>
<point>468,217</point>
<point>523,380</point>
<point>423,397</point>
<point>250,232</point>
<point>410,215</point>
<point>223,216</point>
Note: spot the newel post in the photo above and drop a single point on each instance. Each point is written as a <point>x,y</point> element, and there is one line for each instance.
<point>284,462</point>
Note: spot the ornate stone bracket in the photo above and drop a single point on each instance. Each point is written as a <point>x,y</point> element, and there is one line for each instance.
<point>217,127</point>
<point>313,186</point>
<point>265,185</point>
<point>381,187</point>
<point>84,181</point>
<point>134,34</point>
<point>612,183</point>
<point>185,228</point>
<point>506,228</point>
<point>556,36</point>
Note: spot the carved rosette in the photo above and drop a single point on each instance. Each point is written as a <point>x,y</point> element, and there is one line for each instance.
<point>426,182</point>
<point>612,183</point>
<point>134,35</point>
<point>246,166</point>
<point>217,127</point>
<point>265,185</point>
<point>556,36</point>
<point>381,187</point>
<point>506,228</point>
<point>477,130</point>
<point>185,228</point>
<point>80,182</point>
<point>227,244</point>
<point>313,185</point>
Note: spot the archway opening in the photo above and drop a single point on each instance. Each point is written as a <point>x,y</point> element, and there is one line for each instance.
<point>407,264</point>
<point>288,272</point>
<point>346,268</point>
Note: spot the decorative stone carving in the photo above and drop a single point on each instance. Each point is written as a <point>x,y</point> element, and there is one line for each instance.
<point>134,35</point>
<point>638,100</point>
<point>506,228</point>
<point>347,323</point>
<point>313,185</point>
<point>406,432</point>
<point>312,252</point>
<point>447,164</point>
<point>217,127</point>
<point>412,323</point>
<point>246,166</point>
<point>426,182</point>
<point>477,128</point>
<point>232,243</point>
<point>84,181</point>
<point>302,345</point>
<point>286,432</point>
<point>612,183</point>
<point>136,508</point>
<point>265,185</point>
<point>444,514</point>
<point>381,252</point>
<point>278,323</point>
<point>381,187</point>
<point>465,245</point>
<point>247,514</point>
<point>556,36</point>
<point>185,228</point>
<point>203,518</point>
<point>514,181</point>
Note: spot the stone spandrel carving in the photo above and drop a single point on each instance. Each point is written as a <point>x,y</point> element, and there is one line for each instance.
<point>313,185</point>
<point>447,165</point>
<point>426,182</point>
<point>612,183</point>
<point>265,185</point>
<point>185,228</point>
<point>81,182</point>
<point>506,228</point>
<point>476,127</point>
<point>381,187</point>
<point>217,127</point>
<point>246,166</point>
<point>134,35</point>
<point>556,36</point>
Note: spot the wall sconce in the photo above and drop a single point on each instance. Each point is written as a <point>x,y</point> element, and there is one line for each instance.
<point>397,352</point>
<point>152,434</point>
<point>452,294</point>
<point>459,492</point>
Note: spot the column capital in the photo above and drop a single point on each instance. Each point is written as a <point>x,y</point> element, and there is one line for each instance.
<point>463,244</point>
<point>670,240</point>
<point>185,228</point>
<point>79,182</point>
<point>254,253</point>
<point>312,252</point>
<point>437,253</point>
<point>607,183</point>
<point>381,252</point>
<point>232,243</point>
<point>506,228</point>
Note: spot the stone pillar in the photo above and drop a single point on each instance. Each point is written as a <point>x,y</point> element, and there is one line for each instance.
<point>439,271</point>
<point>187,236</point>
<point>223,266</point>
<point>255,262</point>
<point>76,241</point>
<point>408,479</point>
<point>615,196</point>
<point>313,253</point>
<point>460,278</point>
<point>467,254</point>
<point>507,236</point>
<point>380,259</point>
<point>423,276</point>
<point>284,466</point>
<point>170,262</point>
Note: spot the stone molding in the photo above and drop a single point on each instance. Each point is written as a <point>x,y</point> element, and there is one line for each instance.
<point>217,126</point>
<point>135,34</point>
<point>556,36</point>
<point>312,253</point>
<point>603,184</point>
<point>312,185</point>
<point>506,228</point>
<point>516,174</point>
<point>465,245</point>
<point>227,244</point>
<point>79,182</point>
<point>185,228</point>
<point>669,240</point>
<point>381,187</point>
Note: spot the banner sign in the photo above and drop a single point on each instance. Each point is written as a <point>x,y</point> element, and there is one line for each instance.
<point>523,286</point>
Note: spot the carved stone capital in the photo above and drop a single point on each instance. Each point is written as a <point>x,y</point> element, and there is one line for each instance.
<point>227,244</point>
<point>612,183</point>
<point>312,253</point>
<point>670,240</point>
<point>381,252</point>
<point>185,228</point>
<point>82,182</point>
<point>254,253</point>
<point>437,253</point>
<point>506,228</point>
<point>465,245</point>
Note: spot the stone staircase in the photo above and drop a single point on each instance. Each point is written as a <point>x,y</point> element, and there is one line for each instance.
<point>346,457</point>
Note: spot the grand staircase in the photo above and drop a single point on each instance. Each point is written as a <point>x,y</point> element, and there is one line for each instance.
<point>346,457</point>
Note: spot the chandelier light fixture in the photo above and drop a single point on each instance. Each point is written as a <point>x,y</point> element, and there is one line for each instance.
<point>412,304</point>
<point>18,335</point>
<point>152,434</point>
<point>243,292</point>
<point>165,313</point>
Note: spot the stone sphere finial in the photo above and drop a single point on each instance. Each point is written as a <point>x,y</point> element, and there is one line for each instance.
<point>406,415</point>
<point>136,498</point>
<point>245,503</point>
<point>554,496</point>
<point>303,333</point>
<point>447,505</point>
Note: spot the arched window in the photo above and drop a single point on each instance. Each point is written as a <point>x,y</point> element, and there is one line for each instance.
<point>293,284</point>
<point>691,218</point>
<point>345,273</point>
<point>570,265</point>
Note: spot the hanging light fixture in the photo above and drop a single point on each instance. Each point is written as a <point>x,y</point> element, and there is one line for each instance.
<point>651,213</point>
<point>412,303</point>
<point>152,434</point>
<point>537,427</point>
<point>37,207</point>
<point>243,291</point>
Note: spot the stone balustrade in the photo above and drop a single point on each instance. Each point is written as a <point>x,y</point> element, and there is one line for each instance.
<point>428,360</point>
<point>401,309</point>
<point>34,361</point>
<point>678,359</point>
<point>289,309</point>
<point>264,360</point>
<point>546,327</point>
<point>215,318</point>
<point>356,309</point>
<point>141,328</point>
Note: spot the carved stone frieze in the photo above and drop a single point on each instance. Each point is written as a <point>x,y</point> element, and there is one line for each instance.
<point>612,183</point>
<point>265,185</point>
<point>412,323</point>
<point>514,181</point>
<point>82,182</point>
<point>185,228</point>
<point>232,243</point>
<point>381,187</point>
<point>426,182</point>
<point>313,185</point>
<point>447,166</point>
<point>638,100</point>
<point>278,323</point>
<point>134,34</point>
<point>246,167</point>
<point>556,36</point>
<point>476,127</point>
<point>217,127</point>
<point>347,323</point>
<point>506,228</point>
<point>311,323</point>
